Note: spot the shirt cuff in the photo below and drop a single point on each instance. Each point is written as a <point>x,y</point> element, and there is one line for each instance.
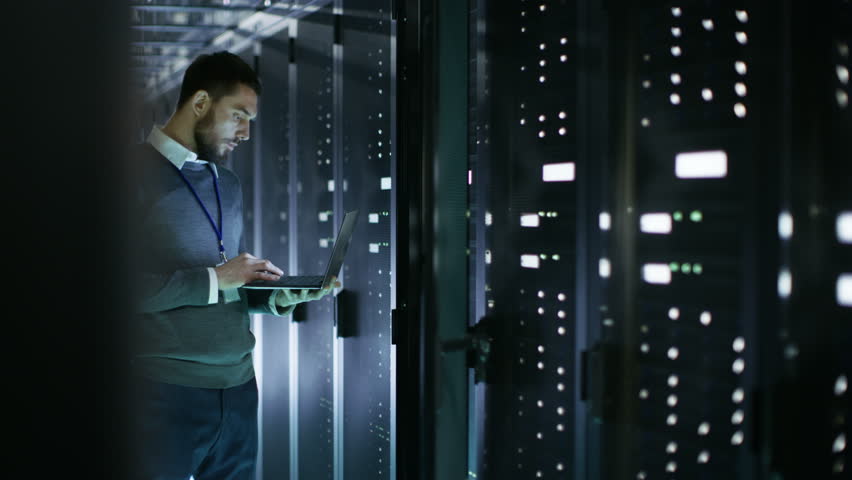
<point>213,296</point>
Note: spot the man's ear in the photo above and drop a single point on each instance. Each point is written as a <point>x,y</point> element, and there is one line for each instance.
<point>200,103</point>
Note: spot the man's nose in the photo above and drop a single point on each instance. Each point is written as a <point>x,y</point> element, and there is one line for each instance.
<point>243,132</point>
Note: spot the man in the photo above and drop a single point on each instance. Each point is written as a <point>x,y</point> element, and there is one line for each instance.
<point>194,395</point>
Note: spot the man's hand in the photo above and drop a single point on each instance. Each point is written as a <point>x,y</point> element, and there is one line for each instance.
<point>243,269</point>
<point>286,298</point>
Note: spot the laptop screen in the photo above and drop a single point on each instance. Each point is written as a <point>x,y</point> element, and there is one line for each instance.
<point>344,236</point>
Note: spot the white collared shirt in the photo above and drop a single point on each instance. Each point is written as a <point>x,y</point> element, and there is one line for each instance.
<point>174,151</point>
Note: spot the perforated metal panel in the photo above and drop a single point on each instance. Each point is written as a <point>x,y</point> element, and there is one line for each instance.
<point>808,403</point>
<point>681,160</point>
<point>523,230</point>
<point>366,151</point>
<point>696,169</point>
<point>315,185</point>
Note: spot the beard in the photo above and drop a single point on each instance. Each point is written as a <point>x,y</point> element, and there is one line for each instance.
<point>208,148</point>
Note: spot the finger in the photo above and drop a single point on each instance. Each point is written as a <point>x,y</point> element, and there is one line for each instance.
<point>270,267</point>
<point>265,276</point>
<point>289,295</point>
<point>293,295</point>
<point>262,265</point>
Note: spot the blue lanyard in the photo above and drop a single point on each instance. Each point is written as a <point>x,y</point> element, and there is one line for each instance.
<point>218,229</point>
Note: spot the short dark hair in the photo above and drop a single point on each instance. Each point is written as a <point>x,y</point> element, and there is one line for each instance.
<point>217,73</point>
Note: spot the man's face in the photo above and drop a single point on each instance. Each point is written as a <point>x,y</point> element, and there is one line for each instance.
<point>225,124</point>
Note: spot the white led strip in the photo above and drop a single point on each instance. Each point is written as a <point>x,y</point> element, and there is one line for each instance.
<point>708,164</point>
<point>658,273</point>
<point>844,290</point>
<point>558,172</point>
<point>530,261</point>
<point>530,220</point>
<point>655,223</point>
<point>844,227</point>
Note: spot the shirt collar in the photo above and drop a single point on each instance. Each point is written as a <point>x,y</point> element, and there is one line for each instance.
<point>174,151</point>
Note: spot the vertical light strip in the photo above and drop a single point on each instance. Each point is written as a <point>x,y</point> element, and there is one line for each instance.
<point>478,297</point>
<point>392,241</point>
<point>294,400</point>
<point>257,329</point>
<point>338,174</point>
<point>257,247</point>
<point>586,250</point>
<point>257,161</point>
<point>337,396</point>
<point>294,260</point>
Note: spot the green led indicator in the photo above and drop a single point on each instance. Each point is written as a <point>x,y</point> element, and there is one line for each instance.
<point>686,268</point>
<point>696,216</point>
<point>697,268</point>
<point>678,216</point>
<point>673,266</point>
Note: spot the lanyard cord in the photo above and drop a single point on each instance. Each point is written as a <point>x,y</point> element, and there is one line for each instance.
<point>218,229</point>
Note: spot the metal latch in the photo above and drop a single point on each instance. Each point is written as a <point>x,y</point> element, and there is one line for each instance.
<point>477,346</point>
<point>604,381</point>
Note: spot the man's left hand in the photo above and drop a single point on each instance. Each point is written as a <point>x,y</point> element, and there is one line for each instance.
<point>286,298</point>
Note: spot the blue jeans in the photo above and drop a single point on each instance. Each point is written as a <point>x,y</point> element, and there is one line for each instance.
<point>207,433</point>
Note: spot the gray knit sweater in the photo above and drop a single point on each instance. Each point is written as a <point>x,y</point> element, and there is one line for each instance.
<point>177,336</point>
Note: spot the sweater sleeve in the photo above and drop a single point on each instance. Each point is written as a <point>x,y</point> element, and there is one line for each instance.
<point>164,291</point>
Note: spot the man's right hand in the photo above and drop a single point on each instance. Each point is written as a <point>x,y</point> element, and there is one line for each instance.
<point>245,268</point>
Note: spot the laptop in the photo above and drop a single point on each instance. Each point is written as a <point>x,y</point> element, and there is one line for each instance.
<point>315,282</point>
